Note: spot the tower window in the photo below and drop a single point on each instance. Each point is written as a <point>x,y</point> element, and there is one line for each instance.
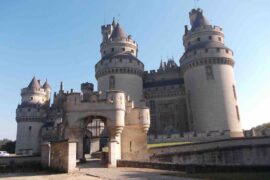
<point>31,98</point>
<point>218,50</point>
<point>219,38</point>
<point>227,51</point>
<point>237,112</point>
<point>210,37</point>
<point>112,82</point>
<point>112,49</point>
<point>234,92</point>
<point>123,49</point>
<point>209,72</point>
<point>132,51</point>
<point>30,128</point>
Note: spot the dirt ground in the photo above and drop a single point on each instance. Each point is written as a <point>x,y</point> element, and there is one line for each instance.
<point>94,170</point>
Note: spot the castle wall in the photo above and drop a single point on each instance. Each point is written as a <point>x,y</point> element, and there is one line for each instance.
<point>28,138</point>
<point>212,101</point>
<point>129,83</point>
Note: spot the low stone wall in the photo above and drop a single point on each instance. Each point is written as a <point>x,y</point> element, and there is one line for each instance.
<point>189,137</point>
<point>16,160</point>
<point>253,151</point>
<point>191,168</point>
<point>19,163</point>
<point>59,156</point>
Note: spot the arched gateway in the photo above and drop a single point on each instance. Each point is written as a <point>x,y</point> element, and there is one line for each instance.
<point>127,125</point>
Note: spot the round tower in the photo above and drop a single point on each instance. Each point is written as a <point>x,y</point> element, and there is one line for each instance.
<point>119,67</point>
<point>209,78</point>
<point>30,116</point>
<point>46,86</point>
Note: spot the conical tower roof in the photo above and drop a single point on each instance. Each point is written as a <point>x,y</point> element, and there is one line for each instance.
<point>46,85</point>
<point>198,19</point>
<point>34,84</point>
<point>118,33</point>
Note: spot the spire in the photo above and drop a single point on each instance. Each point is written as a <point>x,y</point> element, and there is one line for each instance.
<point>46,85</point>
<point>113,23</point>
<point>161,66</point>
<point>34,85</point>
<point>118,33</point>
<point>62,86</point>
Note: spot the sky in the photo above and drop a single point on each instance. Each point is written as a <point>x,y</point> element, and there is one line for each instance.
<point>59,40</point>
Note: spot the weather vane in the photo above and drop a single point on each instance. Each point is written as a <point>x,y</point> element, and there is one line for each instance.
<point>196,3</point>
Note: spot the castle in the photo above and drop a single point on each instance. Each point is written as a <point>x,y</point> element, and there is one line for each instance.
<point>197,96</point>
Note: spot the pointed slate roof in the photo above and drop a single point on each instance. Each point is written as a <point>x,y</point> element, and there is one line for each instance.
<point>34,84</point>
<point>118,33</point>
<point>200,20</point>
<point>46,85</point>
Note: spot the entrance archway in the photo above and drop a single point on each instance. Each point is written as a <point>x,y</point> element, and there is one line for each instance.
<point>95,137</point>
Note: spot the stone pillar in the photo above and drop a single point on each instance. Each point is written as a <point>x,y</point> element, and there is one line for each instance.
<point>114,151</point>
<point>45,155</point>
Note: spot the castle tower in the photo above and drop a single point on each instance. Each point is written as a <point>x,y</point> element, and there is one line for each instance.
<point>30,116</point>
<point>119,67</point>
<point>46,86</point>
<point>209,78</point>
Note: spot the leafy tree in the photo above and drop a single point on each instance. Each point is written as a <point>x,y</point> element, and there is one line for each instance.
<point>7,145</point>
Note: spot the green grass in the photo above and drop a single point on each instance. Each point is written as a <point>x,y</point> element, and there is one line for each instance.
<point>166,144</point>
<point>106,149</point>
<point>224,176</point>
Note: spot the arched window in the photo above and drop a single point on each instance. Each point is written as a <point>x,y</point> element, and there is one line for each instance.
<point>112,82</point>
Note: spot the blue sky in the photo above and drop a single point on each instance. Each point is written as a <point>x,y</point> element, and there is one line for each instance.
<point>59,40</point>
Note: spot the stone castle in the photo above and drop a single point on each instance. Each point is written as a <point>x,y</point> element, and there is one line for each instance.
<point>197,96</point>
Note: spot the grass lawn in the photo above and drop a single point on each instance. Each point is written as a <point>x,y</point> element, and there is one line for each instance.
<point>166,144</point>
<point>224,176</point>
<point>106,149</point>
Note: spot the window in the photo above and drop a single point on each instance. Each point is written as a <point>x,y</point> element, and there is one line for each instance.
<point>227,51</point>
<point>189,43</point>
<point>29,109</point>
<point>234,92</point>
<point>206,50</point>
<point>104,52</point>
<point>219,38</point>
<point>123,49</point>
<point>110,60</point>
<point>112,82</point>
<point>30,128</point>
<point>218,49</point>
<point>120,60</point>
<point>210,37</point>
<point>132,51</point>
<point>237,112</point>
<point>209,72</point>
<point>198,39</point>
<point>112,49</point>
<point>195,52</point>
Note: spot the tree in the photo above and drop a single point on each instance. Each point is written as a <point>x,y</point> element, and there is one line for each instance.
<point>7,145</point>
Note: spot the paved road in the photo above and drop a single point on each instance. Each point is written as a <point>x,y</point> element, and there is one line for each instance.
<point>93,170</point>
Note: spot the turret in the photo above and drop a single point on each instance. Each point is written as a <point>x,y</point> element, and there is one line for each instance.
<point>46,86</point>
<point>209,78</point>
<point>30,116</point>
<point>119,64</point>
